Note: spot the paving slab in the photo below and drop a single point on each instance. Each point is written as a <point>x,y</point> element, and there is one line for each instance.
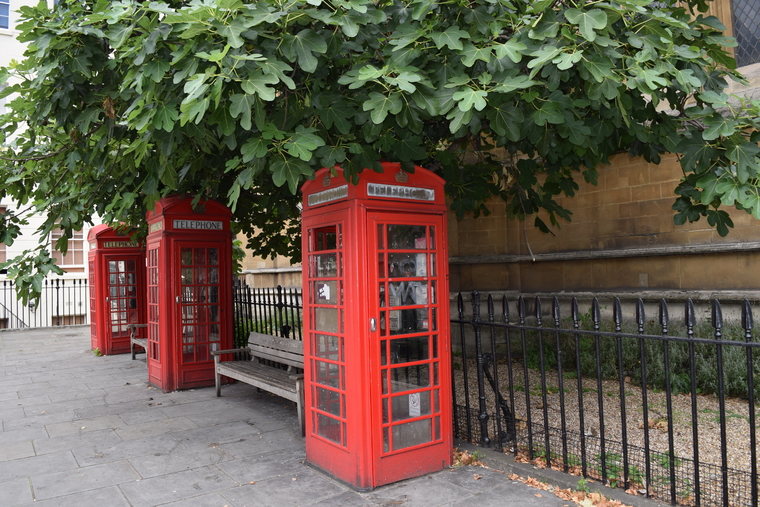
<point>85,431</point>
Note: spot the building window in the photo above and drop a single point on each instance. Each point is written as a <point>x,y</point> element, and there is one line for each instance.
<point>74,256</point>
<point>746,20</point>
<point>5,13</point>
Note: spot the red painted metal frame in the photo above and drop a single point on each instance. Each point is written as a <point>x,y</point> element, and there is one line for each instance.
<point>345,388</point>
<point>173,226</point>
<point>111,310</point>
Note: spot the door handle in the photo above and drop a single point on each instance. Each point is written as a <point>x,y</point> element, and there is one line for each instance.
<point>372,324</point>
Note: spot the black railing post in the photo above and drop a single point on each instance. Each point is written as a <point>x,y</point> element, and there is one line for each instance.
<point>717,322</point>
<point>526,377</point>
<point>485,440</point>
<point>640,320</point>
<point>596,317</point>
<point>561,381</point>
<point>465,370</point>
<point>542,372</point>
<point>664,322</point>
<point>747,325</point>
<point>494,379</point>
<point>575,315</point>
<point>511,424</point>
<point>691,321</point>
<point>617,317</point>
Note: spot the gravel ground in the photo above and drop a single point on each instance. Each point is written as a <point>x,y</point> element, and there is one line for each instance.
<point>708,425</point>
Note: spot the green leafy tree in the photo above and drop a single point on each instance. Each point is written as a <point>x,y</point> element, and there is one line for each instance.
<point>118,103</point>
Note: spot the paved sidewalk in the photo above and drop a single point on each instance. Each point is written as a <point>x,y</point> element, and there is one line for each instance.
<point>85,431</point>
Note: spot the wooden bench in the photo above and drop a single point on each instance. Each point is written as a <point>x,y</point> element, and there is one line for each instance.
<point>284,383</point>
<point>134,340</point>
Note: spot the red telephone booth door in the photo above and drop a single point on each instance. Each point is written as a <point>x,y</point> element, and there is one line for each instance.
<point>413,417</point>
<point>122,298</point>
<point>200,316</point>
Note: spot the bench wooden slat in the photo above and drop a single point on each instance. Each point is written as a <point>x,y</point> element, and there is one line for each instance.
<point>270,378</point>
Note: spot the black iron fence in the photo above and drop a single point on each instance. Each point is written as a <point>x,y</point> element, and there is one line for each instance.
<point>621,392</point>
<point>267,310</point>
<point>658,405</point>
<point>63,302</point>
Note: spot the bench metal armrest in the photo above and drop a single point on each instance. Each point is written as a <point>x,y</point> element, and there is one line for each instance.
<point>296,376</point>
<point>133,329</point>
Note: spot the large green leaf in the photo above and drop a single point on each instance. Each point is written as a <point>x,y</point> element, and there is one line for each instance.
<point>588,22</point>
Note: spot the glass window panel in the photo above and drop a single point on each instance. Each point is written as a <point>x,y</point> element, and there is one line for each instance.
<point>384,380</point>
<point>121,265</point>
<point>384,352</point>
<point>200,275</point>
<point>328,428</point>
<point>432,237</point>
<point>411,434</point>
<point>186,256</point>
<point>327,374</point>
<point>327,400</point>
<point>326,319</point>
<point>213,313</point>
<point>386,440</point>
<point>409,406</point>
<point>381,265</point>
<point>406,378</point>
<point>327,347</point>
<point>213,256</point>
<point>187,276</point>
<point>200,256</point>
<point>406,265</point>
<point>381,236</point>
<point>112,267</point>
<point>407,237</point>
<point>325,293</point>
<point>407,293</point>
<point>130,265</point>
<point>407,350</point>
<point>437,428</point>
<point>325,266</point>
<point>213,275</point>
<point>213,333</point>
<point>213,294</point>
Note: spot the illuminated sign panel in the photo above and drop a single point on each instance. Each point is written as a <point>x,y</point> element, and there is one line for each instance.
<point>199,225</point>
<point>400,192</point>
<point>332,194</point>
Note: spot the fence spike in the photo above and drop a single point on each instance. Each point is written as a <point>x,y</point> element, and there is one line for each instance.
<point>489,303</point>
<point>521,309</point>
<point>747,321</point>
<point>717,315</point>
<point>617,313</point>
<point>476,306</point>
<point>555,310</point>
<point>460,305</point>
<point>537,310</point>
<point>640,315</point>
<point>596,314</point>
<point>574,312</point>
<point>690,315</point>
<point>663,315</point>
<point>505,309</point>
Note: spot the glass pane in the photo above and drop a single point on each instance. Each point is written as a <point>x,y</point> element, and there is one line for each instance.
<point>325,293</point>
<point>409,406</point>
<point>407,293</point>
<point>407,350</point>
<point>407,237</point>
<point>328,401</point>
<point>325,266</point>
<point>213,313</point>
<point>328,428</point>
<point>381,236</point>
<point>200,256</point>
<point>384,352</point>
<point>213,275</point>
<point>326,319</point>
<point>112,268</point>
<point>327,347</point>
<point>213,256</point>
<point>327,374</point>
<point>187,276</point>
<point>410,377</point>
<point>406,265</point>
<point>410,434</point>
<point>381,265</point>
<point>213,294</point>
<point>186,256</point>
<point>131,265</point>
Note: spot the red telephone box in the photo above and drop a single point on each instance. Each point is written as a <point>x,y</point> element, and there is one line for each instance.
<point>189,271</point>
<point>117,288</point>
<point>376,318</point>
